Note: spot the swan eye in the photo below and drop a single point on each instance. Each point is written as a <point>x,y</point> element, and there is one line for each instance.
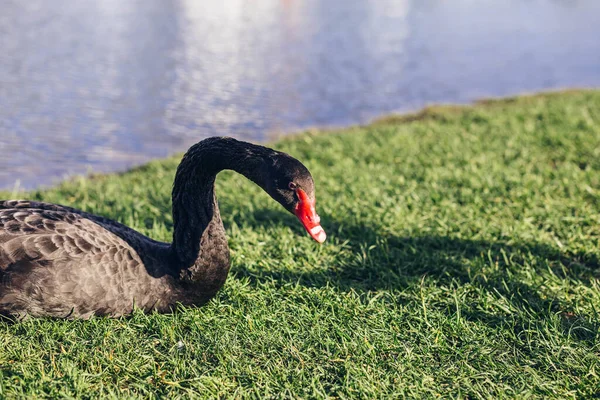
<point>292,185</point>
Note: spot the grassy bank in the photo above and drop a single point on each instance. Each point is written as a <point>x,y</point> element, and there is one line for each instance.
<point>462,260</point>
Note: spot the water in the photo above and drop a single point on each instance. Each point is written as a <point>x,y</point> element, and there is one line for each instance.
<point>109,84</point>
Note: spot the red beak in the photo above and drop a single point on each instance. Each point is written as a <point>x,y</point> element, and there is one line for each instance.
<point>305,211</point>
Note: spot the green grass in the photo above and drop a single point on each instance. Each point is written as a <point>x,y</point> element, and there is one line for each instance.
<point>462,261</point>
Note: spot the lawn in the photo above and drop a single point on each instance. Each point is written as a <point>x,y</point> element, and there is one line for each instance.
<point>462,260</point>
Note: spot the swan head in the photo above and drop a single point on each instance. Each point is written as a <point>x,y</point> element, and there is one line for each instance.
<point>290,183</point>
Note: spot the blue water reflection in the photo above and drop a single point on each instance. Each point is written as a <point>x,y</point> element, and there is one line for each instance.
<point>109,84</point>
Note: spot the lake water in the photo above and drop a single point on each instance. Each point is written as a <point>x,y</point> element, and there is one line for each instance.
<point>105,85</point>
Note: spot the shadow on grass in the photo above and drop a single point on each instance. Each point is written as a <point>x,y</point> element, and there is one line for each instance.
<point>371,261</point>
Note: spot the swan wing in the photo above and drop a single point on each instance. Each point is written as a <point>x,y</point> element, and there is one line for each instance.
<point>54,261</point>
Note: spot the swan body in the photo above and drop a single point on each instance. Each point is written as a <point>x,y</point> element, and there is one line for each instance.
<point>57,261</point>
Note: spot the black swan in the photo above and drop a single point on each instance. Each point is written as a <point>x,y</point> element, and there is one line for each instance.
<point>57,261</point>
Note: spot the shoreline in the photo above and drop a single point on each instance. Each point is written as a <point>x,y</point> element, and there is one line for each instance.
<point>429,111</point>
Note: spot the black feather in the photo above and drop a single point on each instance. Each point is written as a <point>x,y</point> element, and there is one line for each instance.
<point>62,262</point>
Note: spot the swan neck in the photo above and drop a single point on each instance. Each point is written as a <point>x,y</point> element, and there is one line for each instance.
<point>194,202</point>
